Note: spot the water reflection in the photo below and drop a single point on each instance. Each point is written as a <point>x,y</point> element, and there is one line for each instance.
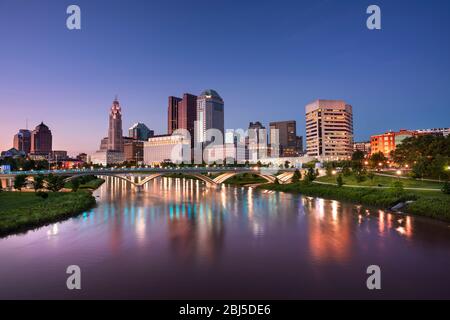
<point>195,217</point>
<point>179,239</point>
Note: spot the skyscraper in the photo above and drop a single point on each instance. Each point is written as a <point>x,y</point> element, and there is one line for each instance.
<point>115,141</point>
<point>256,142</point>
<point>140,131</point>
<point>22,141</point>
<point>182,113</point>
<point>111,148</point>
<point>329,129</point>
<point>172,114</point>
<point>287,137</point>
<point>41,140</point>
<point>210,114</point>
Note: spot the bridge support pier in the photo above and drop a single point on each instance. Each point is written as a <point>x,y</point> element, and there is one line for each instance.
<point>139,188</point>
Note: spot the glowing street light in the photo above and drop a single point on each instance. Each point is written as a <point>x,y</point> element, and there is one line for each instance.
<point>333,172</point>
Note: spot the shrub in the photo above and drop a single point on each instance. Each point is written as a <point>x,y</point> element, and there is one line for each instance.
<point>20,181</point>
<point>339,181</point>
<point>360,177</point>
<point>346,171</point>
<point>38,182</point>
<point>310,175</point>
<point>75,185</point>
<point>297,176</point>
<point>41,194</point>
<point>446,188</point>
<point>55,183</point>
<point>397,189</point>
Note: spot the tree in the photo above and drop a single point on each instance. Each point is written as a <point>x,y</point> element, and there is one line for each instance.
<point>376,159</point>
<point>20,181</point>
<point>1,187</point>
<point>75,185</point>
<point>286,164</point>
<point>360,176</point>
<point>346,171</point>
<point>38,182</point>
<point>446,188</point>
<point>296,176</point>
<point>310,175</point>
<point>339,181</point>
<point>55,183</point>
<point>358,156</point>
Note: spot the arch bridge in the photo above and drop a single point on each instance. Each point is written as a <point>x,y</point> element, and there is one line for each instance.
<point>221,174</point>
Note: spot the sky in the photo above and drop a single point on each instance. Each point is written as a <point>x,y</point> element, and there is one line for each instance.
<point>267,59</point>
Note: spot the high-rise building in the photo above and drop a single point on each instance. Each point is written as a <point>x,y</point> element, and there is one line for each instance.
<point>22,141</point>
<point>210,115</point>
<point>41,140</point>
<point>140,131</point>
<point>329,129</point>
<point>111,148</point>
<point>182,113</point>
<point>133,149</point>
<point>115,141</point>
<point>287,137</point>
<point>256,142</point>
<point>172,114</point>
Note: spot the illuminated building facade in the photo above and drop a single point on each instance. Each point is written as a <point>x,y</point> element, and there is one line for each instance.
<point>22,141</point>
<point>387,142</point>
<point>41,140</point>
<point>329,129</point>
<point>167,148</point>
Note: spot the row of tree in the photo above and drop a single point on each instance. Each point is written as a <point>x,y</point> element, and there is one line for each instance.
<point>428,156</point>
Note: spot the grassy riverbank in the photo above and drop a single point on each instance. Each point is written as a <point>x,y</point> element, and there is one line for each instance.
<point>383,181</point>
<point>88,182</point>
<point>238,180</point>
<point>20,211</point>
<point>430,204</point>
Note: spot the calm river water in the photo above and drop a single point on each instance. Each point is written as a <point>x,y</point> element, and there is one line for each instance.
<point>179,239</point>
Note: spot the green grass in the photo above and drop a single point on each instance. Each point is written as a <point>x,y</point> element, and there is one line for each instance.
<point>20,211</point>
<point>238,180</point>
<point>93,184</point>
<point>384,182</point>
<point>429,204</point>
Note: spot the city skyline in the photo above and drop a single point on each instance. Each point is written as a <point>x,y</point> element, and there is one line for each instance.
<point>81,70</point>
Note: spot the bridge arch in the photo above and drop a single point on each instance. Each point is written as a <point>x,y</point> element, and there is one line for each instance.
<point>210,182</point>
<point>225,176</point>
<point>117,175</point>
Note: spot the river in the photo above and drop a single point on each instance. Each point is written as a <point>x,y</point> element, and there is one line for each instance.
<point>178,239</point>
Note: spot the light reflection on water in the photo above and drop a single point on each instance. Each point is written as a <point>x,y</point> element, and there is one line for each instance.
<point>179,239</point>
